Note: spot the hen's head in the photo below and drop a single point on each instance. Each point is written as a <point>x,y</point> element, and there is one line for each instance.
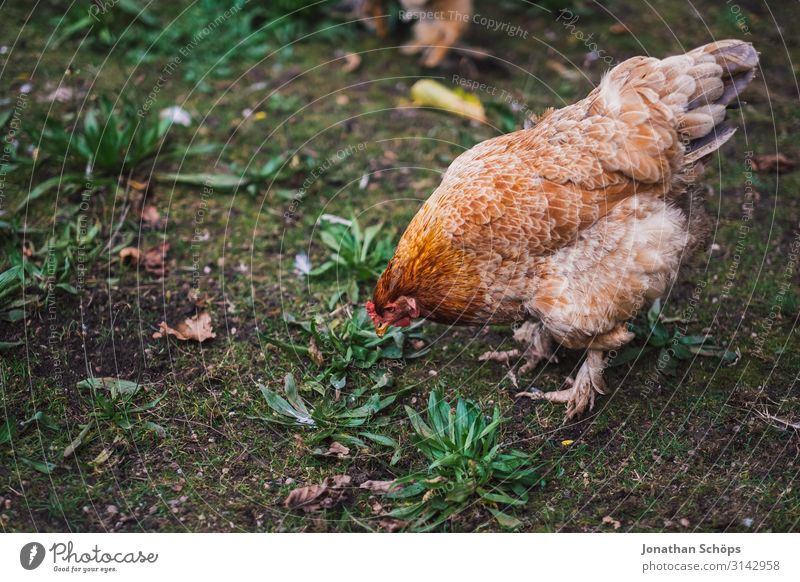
<point>398,313</point>
<point>427,277</point>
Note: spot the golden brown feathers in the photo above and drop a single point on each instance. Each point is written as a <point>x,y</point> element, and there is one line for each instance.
<point>576,221</point>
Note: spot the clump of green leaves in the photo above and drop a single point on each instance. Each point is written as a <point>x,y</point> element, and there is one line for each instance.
<point>231,33</point>
<point>47,268</point>
<point>673,347</point>
<point>331,415</point>
<point>468,464</point>
<point>114,409</point>
<point>114,141</point>
<point>10,430</point>
<point>357,256</point>
<point>12,158</point>
<point>340,345</point>
<point>104,24</point>
<point>113,138</point>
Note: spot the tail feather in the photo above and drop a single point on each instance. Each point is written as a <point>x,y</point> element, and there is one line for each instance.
<point>720,71</point>
<point>708,144</point>
<point>646,101</point>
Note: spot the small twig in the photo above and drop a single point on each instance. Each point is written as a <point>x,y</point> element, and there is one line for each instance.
<point>772,419</point>
<point>513,377</point>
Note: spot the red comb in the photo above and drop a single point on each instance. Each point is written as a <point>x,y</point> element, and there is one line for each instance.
<point>373,315</point>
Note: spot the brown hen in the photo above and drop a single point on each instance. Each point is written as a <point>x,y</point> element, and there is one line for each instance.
<point>570,227</point>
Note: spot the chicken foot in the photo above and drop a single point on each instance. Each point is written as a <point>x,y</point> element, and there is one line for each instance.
<point>539,346</point>
<point>581,394</point>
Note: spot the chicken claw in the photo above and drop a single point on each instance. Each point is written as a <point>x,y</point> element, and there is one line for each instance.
<point>587,383</point>
<point>539,347</point>
<point>501,356</point>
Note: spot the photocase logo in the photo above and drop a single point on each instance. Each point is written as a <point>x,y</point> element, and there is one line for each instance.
<point>31,555</point>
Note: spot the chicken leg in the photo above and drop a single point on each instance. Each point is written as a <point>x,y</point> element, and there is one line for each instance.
<point>581,394</point>
<point>539,346</point>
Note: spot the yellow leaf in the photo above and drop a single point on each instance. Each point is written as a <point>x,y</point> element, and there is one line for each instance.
<point>429,93</point>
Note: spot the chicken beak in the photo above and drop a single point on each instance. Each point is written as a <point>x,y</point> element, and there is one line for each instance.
<point>380,330</point>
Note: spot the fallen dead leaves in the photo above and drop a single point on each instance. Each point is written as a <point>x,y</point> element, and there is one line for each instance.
<point>333,490</point>
<point>611,521</point>
<point>197,328</point>
<point>386,523</point>
<point>322,496</point>
<point>351,62</point>
<point>336,449</point>
<point>315,353</point>
<point>391,524</point>
<point>151,216</point>
<point>153,259</point>
<point>381,487</point>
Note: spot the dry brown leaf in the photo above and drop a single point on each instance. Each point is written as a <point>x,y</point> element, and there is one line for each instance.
<point>200,301</point>
<point>130,253</point>
<point>391,525</point>
<point>772,162</point>
<point>351,62</point>
<point>137,185</point>
<point>316,497</point>
<point>309,497</point>
<point>612,521</point>
<point>152,259</point>
<point>339,480</point>
<point>315,354</point>
<point>618,28</point>
<point>197,328</point>
<point>381,486</point>
<point>150,216</point>
<point>338,449</point>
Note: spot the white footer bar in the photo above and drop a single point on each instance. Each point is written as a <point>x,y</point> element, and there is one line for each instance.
<point>407,557</point>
